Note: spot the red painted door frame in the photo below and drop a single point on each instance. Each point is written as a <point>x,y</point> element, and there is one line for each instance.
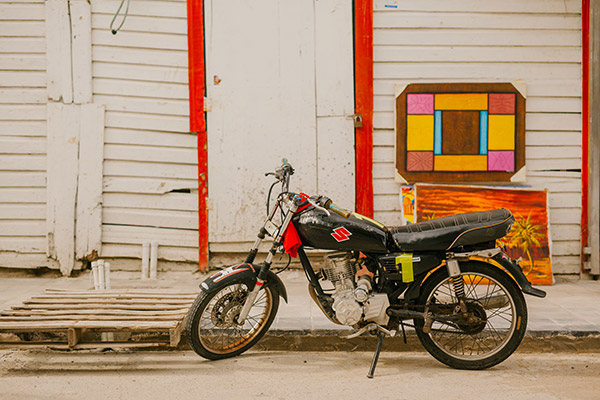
<point>363,75</point>
<point>585,126</point>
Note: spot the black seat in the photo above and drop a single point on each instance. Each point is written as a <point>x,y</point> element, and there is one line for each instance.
<point>453,231</point>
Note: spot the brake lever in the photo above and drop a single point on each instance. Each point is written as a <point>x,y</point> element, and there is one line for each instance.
<point>315,205</point>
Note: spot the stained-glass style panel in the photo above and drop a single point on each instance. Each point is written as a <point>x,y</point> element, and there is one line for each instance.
<point>462,132</point>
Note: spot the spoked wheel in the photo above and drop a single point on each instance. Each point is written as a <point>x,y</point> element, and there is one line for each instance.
<point>212,326</point>
<point>488,332</point>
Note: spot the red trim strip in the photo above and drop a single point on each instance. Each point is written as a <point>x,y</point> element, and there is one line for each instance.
<point>585,128</point>
<point>195,19</point>
<point>363,75</point>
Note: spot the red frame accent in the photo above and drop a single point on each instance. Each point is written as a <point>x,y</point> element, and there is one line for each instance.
<point>585,128</point>
<point>363,73</point>
<point>197,87</point>
<point>363,83</point>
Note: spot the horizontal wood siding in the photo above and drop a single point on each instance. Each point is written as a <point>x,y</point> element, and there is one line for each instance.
<point>23,99</point>
<point>150,158</point>
<point>536,41</point>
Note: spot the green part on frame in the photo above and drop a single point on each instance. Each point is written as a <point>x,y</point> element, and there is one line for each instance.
<point>406,260</point>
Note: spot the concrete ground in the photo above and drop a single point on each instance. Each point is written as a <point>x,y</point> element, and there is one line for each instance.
<point>290,375</point>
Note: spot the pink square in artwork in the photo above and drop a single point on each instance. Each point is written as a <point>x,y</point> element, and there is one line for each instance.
<point>501,103</point>
<point>501,161</point>
<point>419,161</point>
<point>419,104</point>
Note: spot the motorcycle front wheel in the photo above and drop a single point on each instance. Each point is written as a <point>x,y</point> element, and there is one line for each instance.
<point>488,333</point>
<point>212,328</point>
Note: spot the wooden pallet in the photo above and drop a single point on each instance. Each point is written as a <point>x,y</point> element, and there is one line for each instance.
<point>71,312</point>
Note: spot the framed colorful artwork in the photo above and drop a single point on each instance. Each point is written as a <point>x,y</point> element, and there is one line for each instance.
<point>529,239</point>
<point>460,132</point>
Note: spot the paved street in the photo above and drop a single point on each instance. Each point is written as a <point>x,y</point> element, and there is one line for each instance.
<point>290,375</point>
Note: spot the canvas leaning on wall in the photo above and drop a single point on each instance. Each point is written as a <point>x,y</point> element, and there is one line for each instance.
<point>528,241</point>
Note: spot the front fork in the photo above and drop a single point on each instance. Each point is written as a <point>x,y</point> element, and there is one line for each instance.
<point>266,265</point>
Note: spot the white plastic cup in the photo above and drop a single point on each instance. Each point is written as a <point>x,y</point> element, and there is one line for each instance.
<point>95,273</point>
<point>107,275</point>
<point>101,274</point>
<point>153,259</point>
<point>145,259</point>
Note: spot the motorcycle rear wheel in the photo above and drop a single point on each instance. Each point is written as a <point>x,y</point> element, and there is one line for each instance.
<point>491,296</point>
<point>211,324</point>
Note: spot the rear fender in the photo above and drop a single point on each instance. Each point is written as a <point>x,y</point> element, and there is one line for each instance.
<point>245,273</point>
<point>505,263</point>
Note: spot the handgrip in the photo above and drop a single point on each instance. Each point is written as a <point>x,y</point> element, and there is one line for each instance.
<point>338,210</point>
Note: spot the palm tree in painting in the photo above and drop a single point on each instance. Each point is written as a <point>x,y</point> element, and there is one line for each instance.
<point>526,235</point>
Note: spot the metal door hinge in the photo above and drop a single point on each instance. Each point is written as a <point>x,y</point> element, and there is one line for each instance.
<point>207,104</point>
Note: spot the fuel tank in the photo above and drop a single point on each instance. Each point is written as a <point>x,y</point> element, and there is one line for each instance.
<point>334,232</point>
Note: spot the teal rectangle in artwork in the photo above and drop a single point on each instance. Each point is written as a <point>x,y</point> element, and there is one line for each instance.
<point>483,132</point>
<point>437,138</point>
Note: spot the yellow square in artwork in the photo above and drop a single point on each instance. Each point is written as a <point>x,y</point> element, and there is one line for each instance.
<point>501,132</point>
<point>419,135</point>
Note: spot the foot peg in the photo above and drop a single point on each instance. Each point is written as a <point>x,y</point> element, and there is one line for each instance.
<point>381,334</point>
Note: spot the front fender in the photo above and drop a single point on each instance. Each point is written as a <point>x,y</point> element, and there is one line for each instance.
<point>247,274</point>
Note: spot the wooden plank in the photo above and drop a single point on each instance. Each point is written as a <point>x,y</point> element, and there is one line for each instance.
<point>22,228</point>
<point>91,314</point>
<point>143,56</point>
<point>25,111</point>
<point>27,45</point>
<point>119,301</point>
<point>177,253</point>
<point>73,336</point>
<point>553,122</point>
<point>552,152</point>
<point>22,145</point>
<point>13,259</point>
<point>162,90</point>
<point>21,11</point>
<point>23,96</point>
<point>137,234</point>
<point>63,151</point>
<point>512,6</point>
<point>23,195</point>
<point>149,170</point>
<point>144,105</point>
<point>553,138</point>
<point>159,218</point>
<point>23,128</point>
<point>148,40</point>
<point>142,24</point>
<point>88,228</point>
<point>22,28</point>
<point>58,41</point>
<point>175,9</point>
<point>22,211</point>
<point>497,54</point>
<point>132,325</point>
<point>149,73</point>
<point>174,155</point>
<point>150,138</point>
<point>566,248</point>
<point>81,50</point>
<point>152,122</point>
<point>114,296</point>
<point>101,306</point>
<point>475,20</point>
<point>175,334</point>
<point>151,291</point>
<point>402,36</point>
<point>447,71</point>
<point>24,244</point>
<point>120,318</point>
<point>23,62</point>
<point>168,201</point>
<point>144,185</point>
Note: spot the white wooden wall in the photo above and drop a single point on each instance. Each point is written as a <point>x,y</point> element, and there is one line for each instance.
<point>23,98</point>
<point>140,75</point>
<point>537,41</point>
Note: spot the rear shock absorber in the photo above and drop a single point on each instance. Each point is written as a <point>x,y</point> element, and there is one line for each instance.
<point>458,283</point>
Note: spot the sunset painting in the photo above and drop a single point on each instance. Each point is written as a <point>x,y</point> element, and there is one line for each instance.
<point>529,239</point>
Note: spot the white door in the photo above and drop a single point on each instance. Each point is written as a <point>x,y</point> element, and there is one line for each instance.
<point>280,85</point>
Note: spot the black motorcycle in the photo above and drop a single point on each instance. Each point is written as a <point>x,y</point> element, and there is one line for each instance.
<point>462,292</point>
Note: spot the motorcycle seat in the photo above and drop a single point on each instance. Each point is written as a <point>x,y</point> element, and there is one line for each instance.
<point>453,231</point>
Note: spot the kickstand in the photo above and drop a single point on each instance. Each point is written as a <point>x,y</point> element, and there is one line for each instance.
<point>380,336</point>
